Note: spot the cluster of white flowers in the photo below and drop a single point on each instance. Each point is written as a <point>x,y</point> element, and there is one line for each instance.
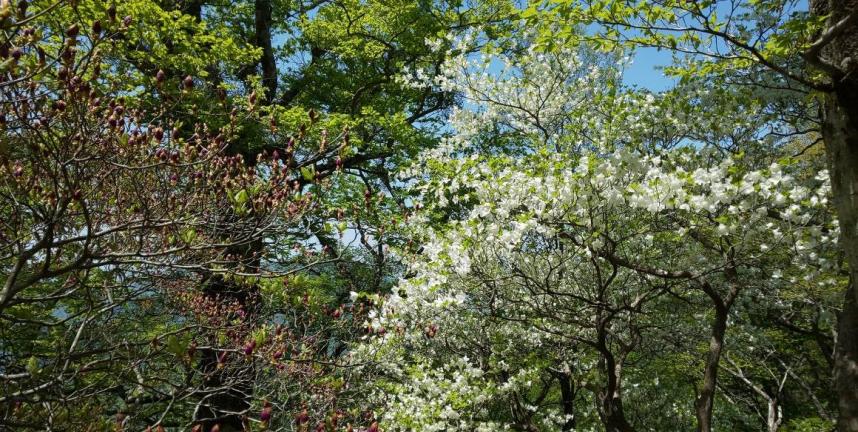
<point>764,214</point>
<point>494,281</point>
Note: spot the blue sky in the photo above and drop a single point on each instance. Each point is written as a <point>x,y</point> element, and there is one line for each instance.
<point>644,71</point>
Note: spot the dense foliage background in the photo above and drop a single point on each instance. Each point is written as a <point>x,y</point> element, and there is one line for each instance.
<point>339,215</point>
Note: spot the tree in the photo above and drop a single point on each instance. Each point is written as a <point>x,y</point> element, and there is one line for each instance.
<point>552,280</point>
<point>299,140</point>
<point>114,216</point>
<point>803,52</point>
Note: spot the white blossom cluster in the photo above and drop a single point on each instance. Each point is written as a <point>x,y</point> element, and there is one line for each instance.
<point>508,292</point>
<point>655,204</point>
<point>564,98</point>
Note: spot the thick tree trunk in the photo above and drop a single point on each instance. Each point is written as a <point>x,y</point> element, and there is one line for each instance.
<point>839,58</point>
<point>846,362</point>
<point>228,391</point>
<point>262,21</point>
<point>840,133</point>
<point>615,417</point>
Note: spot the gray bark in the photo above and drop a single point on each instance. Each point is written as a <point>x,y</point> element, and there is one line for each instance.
<point>836,53</point>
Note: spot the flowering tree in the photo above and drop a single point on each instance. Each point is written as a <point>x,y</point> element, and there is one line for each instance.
<point>803,48</point>
<point>546,303</point>
<point>121,222</point>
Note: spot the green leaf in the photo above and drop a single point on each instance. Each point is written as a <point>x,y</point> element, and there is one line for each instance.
<point>308,173</point>
<point>241,197</point>
<point>33,366</point>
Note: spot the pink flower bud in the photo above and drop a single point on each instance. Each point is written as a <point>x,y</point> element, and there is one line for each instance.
<point>303,417</point>
<point>265,415</point>
<point>73,31</point>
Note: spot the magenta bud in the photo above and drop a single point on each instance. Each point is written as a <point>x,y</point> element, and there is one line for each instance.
<point>265,415</point>
<point>73,31</point>
<point>303,417</point>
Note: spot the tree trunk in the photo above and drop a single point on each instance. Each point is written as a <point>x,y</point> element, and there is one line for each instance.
<point>774,416</point>
<point>567,399</point>
<point>706,399</point>
<point>840,133</point>
<point>262,21</point>
<point>846,362</point>
<point>615,418</point>
<point>228,392</point>
<point>610,400</point>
